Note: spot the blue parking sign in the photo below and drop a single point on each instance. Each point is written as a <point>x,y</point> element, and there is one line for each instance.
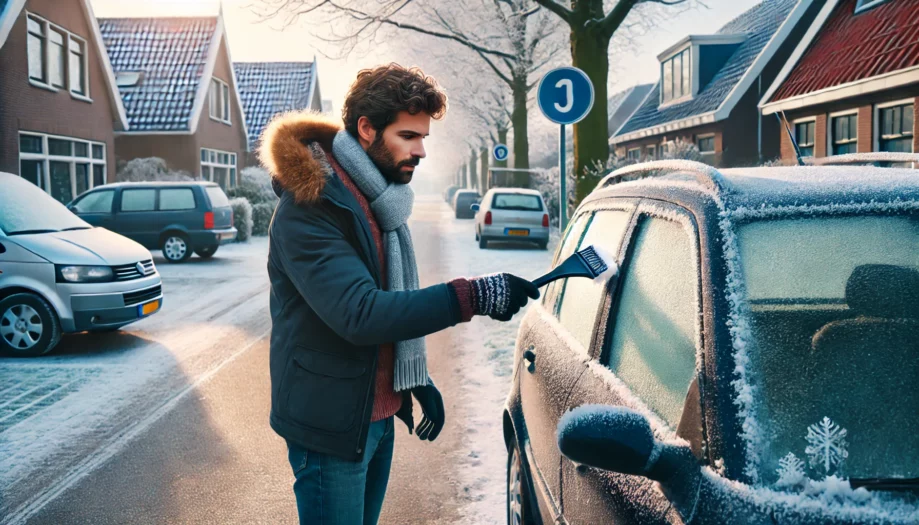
<point>565,95</point>
<point>500,152</point>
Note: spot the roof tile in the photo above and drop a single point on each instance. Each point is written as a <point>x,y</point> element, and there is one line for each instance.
<point>269,88</point>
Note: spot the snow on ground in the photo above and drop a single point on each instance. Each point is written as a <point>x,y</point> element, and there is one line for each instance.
<point>57,409</point>
<point>486,356</point>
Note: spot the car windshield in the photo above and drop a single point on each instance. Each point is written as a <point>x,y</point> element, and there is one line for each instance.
<point>514,201</point>
<point>834,311</point>
<point>18,202</point>
<point>218,197</point>
<point>467,197</point>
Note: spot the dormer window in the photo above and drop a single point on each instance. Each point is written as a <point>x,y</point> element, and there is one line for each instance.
<point>676,77</point>
<point>864,5</point>
<point>125,79</point>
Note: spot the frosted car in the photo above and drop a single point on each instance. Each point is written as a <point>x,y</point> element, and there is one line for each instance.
<point>512,215</point>
<point>752,360</point>
<point>58,274</point>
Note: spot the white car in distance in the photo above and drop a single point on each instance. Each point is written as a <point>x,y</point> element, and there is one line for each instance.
<point>512,215</point>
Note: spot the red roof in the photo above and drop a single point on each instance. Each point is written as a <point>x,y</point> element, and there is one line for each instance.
<point>853,47</point>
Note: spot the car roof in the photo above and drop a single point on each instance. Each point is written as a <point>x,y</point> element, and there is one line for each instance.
<point>516,191</point>
<point>157,184</point>
<point>467,192</point>
<point>773,186</point>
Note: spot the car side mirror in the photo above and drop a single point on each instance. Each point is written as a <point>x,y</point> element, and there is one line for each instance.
<point>619,439</point>
<point>475,207</point>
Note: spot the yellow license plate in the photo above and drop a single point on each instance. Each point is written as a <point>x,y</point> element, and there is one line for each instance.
<point>518,233</point>
<point>150,307</point>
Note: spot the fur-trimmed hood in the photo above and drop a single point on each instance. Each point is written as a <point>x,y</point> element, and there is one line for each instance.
<point>284,152</point>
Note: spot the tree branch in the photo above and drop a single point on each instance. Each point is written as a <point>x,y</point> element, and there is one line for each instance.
<point>611,22</point>
<point>563,12</point>
<point>497,71</point>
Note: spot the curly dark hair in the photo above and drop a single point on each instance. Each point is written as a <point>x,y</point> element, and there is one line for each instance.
<point>382,92</point>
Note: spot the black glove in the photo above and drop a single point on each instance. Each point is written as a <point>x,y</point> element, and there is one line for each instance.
<point>432,405</point>
<point>501,295</point>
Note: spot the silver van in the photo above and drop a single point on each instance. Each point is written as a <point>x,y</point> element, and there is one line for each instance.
<point>59,274</point>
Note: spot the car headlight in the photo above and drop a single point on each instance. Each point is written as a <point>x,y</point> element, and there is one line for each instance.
<point>85,274</point>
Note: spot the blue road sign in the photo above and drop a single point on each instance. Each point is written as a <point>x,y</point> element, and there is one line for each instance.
<point>500,152</point>
<point>565,95</point>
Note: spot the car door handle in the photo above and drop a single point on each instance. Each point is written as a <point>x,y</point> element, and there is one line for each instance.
<point>530,357</point>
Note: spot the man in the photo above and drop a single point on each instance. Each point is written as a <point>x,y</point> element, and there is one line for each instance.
<point>348,317</point>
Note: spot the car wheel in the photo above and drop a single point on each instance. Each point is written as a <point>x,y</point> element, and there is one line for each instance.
<point>28,326</point>
<point>176,248</point>
<point>517,511</point>
<point>206,252</point>
<point>483,244</point>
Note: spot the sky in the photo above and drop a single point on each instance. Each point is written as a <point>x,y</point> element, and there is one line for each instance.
<point>254,39</point>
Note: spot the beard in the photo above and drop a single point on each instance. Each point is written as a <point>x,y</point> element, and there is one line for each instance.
<point>387,164</point>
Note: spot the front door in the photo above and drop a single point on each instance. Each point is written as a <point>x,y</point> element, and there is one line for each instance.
<point>647,363</point>
<point>556,345</point>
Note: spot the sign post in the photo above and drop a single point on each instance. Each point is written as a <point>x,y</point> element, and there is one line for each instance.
<point>565,96</point>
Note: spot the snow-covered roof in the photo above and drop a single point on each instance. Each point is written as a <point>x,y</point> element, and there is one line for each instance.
<point>269,88</point>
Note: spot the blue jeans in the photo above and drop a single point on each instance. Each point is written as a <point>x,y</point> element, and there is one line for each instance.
<point>334,491</point>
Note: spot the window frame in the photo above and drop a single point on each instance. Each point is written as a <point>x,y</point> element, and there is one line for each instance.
<point>705,136</point>
<point>686,75</point>
<point>651,151</point>
<point>46,158</point>
<point>831,142</point>
<point>812,145</point>
<point>878,108</point>
<point>232,165</point>
<point>219,101</point>
<point>703,344</point>
<point>68,38</point>
<point>637,153</point>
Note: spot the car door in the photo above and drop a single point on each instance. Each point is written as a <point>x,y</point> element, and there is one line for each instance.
<point>178,207</point>
<point>555,355</point>
<point>135,216</point>
<point>648,363</point>
<point>96,208</point>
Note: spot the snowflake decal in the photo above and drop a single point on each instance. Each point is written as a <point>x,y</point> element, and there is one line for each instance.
<point>827,447</point>
<point>791,472</point>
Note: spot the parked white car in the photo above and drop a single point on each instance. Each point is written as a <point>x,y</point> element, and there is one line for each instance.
<point>512,215</point>
<point>58,274</point>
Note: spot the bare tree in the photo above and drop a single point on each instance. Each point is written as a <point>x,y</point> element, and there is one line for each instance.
<point>593,24</point>
<point>515,39</point>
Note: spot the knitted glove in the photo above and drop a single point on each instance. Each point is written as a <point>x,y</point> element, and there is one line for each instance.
<point>501,295</point>
<point>432,406</point>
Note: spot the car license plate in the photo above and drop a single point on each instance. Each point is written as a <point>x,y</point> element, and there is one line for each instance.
<point>518,233</point>
<point>149,308</point>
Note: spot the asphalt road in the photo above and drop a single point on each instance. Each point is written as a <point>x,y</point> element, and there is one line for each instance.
<point>197,447</point>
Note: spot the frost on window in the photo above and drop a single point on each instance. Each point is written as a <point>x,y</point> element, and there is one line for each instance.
<point>827,446</point>
<point>833,306</point>
<point>791,472</point>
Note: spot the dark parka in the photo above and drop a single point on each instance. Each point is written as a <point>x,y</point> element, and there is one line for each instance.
<point>329,312</point>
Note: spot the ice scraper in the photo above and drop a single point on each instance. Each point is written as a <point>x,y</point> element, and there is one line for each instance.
<point>585,263</point>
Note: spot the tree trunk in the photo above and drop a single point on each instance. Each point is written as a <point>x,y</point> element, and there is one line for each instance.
<point>484,175</point>
<point>590,53</point>
<point>520,125</point>
<point>472,164</point>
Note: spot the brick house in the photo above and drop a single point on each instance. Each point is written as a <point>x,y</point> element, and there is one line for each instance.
<point>59,106</point>
<point>269,88</point>
<point>711,85</point>
<point>852,83</point>
<point>179,91</point>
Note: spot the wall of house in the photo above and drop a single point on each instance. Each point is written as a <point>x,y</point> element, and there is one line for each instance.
<point>24,107</point>
<point>865,105</point>
<point>687,135</point>
<point>214,134</point>
<point>179,151</point>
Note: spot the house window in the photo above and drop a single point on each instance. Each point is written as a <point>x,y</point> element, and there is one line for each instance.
<point>219,166</point>
<point>844,130</point>
<point>676,77</point>
<point>633,154</point>
<point>804,136</point>
<point>219,101</point>
<point>652,152</point>
<point>65,167</point>
<point>896,128</point>
<point>57,58</point>
<point>706,144</point>
<point>864,5</point>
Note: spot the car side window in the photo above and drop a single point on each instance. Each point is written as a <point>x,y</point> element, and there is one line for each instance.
<point>177,199</point>
<point>581,297</point>
<point>570,242</point>
<point>138,200</point>
<point>96,202</point>
<point>653,344</point>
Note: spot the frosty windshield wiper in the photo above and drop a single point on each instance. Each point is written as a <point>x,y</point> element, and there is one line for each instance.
<point>77,228</point>
<point>899,484</point>
<point>29,232</point>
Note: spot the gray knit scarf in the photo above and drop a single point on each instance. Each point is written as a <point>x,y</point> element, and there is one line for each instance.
<point>391,205</point>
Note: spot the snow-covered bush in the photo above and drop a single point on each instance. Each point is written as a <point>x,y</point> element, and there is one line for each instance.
<point>149,169</point>
<point>547,183</point>
<point>261,218</point>
<point>242,218</point>
<point>255,186</point>
<point>681,149</point>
